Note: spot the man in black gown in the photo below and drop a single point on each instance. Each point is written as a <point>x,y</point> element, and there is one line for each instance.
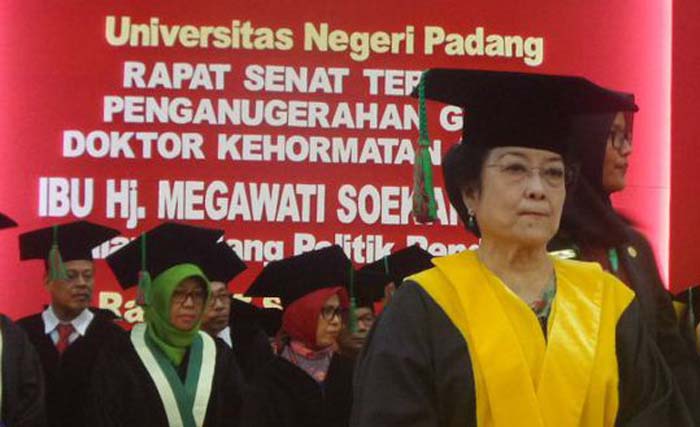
<point>233,321</point>
<point>67,334</point>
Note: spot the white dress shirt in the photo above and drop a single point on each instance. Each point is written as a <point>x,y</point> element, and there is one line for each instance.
<point>225,334</point>
<point>80,324</point>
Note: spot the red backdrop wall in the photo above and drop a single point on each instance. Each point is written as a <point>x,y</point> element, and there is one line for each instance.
<point>57,66</point>
<point>685,175</point>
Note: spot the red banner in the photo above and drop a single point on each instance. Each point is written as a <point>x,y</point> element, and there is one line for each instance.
<point>288,127</point>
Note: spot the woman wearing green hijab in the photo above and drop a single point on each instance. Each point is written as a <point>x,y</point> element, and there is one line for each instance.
<point>167,372</point>
<point>175,313</point>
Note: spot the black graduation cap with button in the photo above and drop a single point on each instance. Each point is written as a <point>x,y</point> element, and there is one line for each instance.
<point>503,109</point>
<point>297,276</point>
<point>300,275</point>
<point>222,264</point>
<point>64,242</point>
<point>159,249</point>
<point>6,222</point>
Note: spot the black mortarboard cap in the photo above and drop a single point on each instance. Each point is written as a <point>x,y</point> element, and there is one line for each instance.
<point>249,315</point>
<point>521,109</point>
<point>369,287</point>
<point>294,277</point>
<point>222,264</point>
<point>271,321</point>
<point>402,263</point>
<point>75,240</point>
<point>6,222</point>
<point>166,245</point>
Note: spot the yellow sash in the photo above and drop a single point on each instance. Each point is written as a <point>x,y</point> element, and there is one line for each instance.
<point>521,380</point>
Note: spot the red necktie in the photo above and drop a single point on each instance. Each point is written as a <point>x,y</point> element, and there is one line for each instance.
<point>64,332</point>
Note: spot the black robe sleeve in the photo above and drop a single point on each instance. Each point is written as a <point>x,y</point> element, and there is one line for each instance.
<point>252,349</point>
<point>649,395</point>
<point>257,410</point>
<point>23,391</point>
<point>415,370</point>
<point>229,383</point>
<point>661,319</point>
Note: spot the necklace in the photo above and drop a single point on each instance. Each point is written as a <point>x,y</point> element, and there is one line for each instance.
<point>543,305</point>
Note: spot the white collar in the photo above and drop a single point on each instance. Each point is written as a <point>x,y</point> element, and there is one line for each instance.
<point>225,334</point>
<point>80,322</point>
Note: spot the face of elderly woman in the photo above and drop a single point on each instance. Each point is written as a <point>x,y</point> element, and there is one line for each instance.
<point>187,304</point>
<point>329,322</point>
<point>521,196</point>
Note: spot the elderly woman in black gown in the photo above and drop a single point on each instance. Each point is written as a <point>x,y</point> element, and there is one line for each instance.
<point>507,335</point>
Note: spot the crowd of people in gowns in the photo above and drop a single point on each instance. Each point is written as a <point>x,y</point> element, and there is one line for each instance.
<point>558,318</point>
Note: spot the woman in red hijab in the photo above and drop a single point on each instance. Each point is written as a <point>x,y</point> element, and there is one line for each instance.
<point>308,383</point>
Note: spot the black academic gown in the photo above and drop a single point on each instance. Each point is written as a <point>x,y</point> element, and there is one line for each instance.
<point>23,391</point>
<point>283,395</point>
<point>590,225</point>
<point>637,260</point>
<point>124,395</point>
<point>67,376</point>
<point>251,347</point>
<point>416,371</point>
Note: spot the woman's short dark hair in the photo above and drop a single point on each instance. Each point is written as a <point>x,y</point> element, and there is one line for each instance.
<point>461,170</point>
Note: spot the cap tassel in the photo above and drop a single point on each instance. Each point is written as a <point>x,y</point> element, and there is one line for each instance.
<point>424,205</point>
<point>144,291</point>
<point>57,270</point>
<point>352,316</point>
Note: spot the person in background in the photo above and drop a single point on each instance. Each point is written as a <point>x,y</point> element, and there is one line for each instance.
<point>308,384</point>
<point>592,230</point>
<point>508,335</point>
<point>401,264</point>
<point>22,396</point>
<point>376,283</point>
<point>248,341</point>
<point>166,372</point>
<point>369,289</point>
<point>67,335</point>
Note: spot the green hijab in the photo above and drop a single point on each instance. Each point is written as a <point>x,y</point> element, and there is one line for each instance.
<point>172,341</point>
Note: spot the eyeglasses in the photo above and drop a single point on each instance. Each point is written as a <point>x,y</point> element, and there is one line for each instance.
<point>197,296</point>
<point>224,299</point>
<point>619,138</point>
<point>518,172</point>
<point>329,312</point>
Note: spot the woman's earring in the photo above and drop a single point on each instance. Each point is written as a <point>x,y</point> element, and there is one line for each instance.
<point>471,222</point>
